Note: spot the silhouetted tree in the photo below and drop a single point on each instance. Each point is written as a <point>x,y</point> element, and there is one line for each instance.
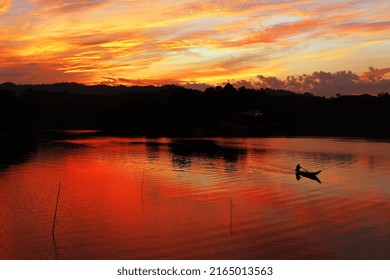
<point>229,89</point>
<point>174,110</point>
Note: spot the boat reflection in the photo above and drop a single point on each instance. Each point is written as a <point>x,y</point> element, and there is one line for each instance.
<point>309,175</point>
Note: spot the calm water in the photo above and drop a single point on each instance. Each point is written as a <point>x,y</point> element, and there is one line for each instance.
<point>137,198</point>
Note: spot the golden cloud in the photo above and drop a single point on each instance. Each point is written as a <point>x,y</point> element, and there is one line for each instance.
<point>5,6</point>
<point>202,41</point>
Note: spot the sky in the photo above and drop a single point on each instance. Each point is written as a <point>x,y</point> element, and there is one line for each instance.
<point>323,47</point>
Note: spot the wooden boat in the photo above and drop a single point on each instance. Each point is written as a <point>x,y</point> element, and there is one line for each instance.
<point>310,175</point>
<point>305,173</point>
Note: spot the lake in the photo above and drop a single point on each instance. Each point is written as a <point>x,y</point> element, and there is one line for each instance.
<point>208,198</point>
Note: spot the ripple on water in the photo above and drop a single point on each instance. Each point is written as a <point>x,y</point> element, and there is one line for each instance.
<point>124,198</point>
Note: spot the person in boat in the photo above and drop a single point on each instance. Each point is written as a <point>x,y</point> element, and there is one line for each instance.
<point>298,168</point>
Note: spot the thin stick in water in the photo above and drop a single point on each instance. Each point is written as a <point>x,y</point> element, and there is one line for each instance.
<point>231,216</point>
<point>55,212</point>
<point>142,191</point>
<point>142,184</point>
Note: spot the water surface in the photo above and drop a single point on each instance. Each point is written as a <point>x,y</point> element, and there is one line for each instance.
<point>138,198</point>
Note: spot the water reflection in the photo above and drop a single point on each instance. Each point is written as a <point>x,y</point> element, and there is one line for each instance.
<point>181,162</point>
<point>311,176</point>
<point>16,151</point>
<point>67,145</point>
<point>122,198</point>
<point>184,150</point>
<point>152,150</point>
<point>338,159</point>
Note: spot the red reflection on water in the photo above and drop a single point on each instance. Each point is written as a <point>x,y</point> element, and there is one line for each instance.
<point>117,202</point>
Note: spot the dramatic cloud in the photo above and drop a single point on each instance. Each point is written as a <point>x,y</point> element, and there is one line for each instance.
<point>320,83</point>
<point>197,43</point>
<point>376,75</point>
<point>329,84</point>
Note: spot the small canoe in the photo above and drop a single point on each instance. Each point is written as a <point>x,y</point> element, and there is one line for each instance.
<point>304,173</point>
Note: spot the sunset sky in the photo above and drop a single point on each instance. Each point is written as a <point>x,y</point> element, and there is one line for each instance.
<point>324,47</point>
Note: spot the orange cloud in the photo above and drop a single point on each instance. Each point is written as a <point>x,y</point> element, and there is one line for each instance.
<point>67,6</point>
<point>32,73</point>
<point>5,5</point>
<point>282,31</point>
<point>206,8</point>
<point>362,27</point>
<point>375,74</point>
<point>191,41</point>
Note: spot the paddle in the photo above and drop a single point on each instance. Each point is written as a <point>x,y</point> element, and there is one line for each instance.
<point>304,169</point>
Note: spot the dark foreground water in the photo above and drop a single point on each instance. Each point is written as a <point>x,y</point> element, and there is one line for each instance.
<point>136,198</point>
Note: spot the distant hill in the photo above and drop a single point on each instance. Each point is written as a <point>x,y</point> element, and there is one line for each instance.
<point>76,88</point>
<point>79,88</point>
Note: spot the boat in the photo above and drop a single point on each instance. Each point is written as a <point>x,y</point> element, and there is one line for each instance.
<point>305,173</point>
<point>310,175</point>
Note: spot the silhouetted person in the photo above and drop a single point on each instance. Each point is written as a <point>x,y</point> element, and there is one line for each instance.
<point>298,168</point>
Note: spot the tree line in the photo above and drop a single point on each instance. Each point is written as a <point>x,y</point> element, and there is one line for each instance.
<point>177,111</point>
